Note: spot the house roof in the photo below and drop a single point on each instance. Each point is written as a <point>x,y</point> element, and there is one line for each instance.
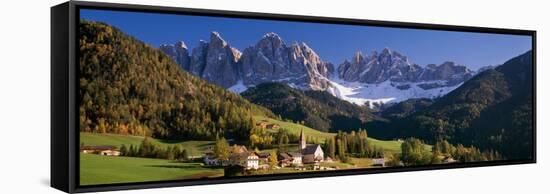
<point>294,154</point>
<point>285,156</point>
<point>241,156</point>
<point>310,149</point>
<point>240,148</point>
<point>378,160</point>
<point>264,155</point>
<point>271,126</point>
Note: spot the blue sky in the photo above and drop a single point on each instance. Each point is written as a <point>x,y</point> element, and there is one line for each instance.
<point>333,42</point>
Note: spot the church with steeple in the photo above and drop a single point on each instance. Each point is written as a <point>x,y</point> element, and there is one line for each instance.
<point>312,153</point>
<point>303,142</point>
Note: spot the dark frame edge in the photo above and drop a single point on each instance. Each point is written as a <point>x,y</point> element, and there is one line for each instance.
<point>64,176</point>
<point>534,98</point>
<point>60,173</point>
<point>62,80</point>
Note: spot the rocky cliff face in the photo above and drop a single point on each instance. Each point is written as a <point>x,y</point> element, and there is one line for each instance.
<point>214,61</point>
<point>178,52</point>
<point>270,60</point>
<point>395,67</point>
<point>273,60</point>
<point>221,62</point>
<point>198,58</point>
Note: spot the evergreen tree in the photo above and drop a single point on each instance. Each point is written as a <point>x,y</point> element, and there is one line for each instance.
<point>131,151</point>
<point>413,152</point>
<point>184,154</point>
<point>331,147</point>
<point>170,153</point>
<point>123,150</point>
<point>176,152</point>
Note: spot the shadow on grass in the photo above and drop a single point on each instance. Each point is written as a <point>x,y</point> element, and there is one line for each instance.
<point>172,141</point>
<point>173,166</point>
<point>188,166</point>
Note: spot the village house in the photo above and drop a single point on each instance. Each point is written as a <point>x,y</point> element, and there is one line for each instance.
<point>379,162</point>
<point>247,160</point>
<point>284,159</point>
<point>264,124</point>
<point>272,126</point>
<point>238,149</point>
<point>100,150</point>
<point>296,158</point>
<point>448,159</point>
<point>211,160</point>
<point>264,157</point>
<point>239,156</point>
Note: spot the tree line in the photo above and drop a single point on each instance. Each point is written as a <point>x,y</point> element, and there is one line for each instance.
<point>148,149</point>
<point>414,152</point>
<point>354,143</point>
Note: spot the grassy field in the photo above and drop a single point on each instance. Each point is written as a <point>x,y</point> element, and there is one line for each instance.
<point>295,129</point>
<point>361,162</point>
<point>96,139</point>
<point>388,146</point>
<point>96,169</point>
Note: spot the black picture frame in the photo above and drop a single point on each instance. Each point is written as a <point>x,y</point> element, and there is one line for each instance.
<point>64,93</point>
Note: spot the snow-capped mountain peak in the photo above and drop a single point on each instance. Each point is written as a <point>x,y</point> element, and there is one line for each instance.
<point>377,78</point>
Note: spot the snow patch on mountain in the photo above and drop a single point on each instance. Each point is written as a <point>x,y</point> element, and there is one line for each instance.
<point>238,88</point>
<point>385,92</point>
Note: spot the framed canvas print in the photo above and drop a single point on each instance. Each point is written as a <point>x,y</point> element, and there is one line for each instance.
<point>146,96</point>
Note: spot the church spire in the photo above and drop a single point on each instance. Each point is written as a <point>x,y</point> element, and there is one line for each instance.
<point>302,140</point>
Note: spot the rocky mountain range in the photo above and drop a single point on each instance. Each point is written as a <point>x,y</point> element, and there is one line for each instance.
<point>357,80</point>
<point>270,60</point>
<point>395,67</point>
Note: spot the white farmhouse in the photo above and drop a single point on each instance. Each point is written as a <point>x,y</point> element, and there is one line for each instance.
<point>247,160</point>
<point>296,159</point>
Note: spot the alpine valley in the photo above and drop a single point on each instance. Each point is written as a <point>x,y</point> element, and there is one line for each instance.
<point>171,112</point>
<point>392,94</point>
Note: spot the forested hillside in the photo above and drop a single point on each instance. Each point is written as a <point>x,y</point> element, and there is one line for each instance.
<point>406,108</point>
<point>317,109</point>
<point>128,87</point>
<point>493,110</point>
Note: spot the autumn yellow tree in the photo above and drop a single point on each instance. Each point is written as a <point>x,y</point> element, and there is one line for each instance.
<point>273,159</point>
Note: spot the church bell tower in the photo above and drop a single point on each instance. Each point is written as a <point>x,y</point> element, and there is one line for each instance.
<point>303,142</point>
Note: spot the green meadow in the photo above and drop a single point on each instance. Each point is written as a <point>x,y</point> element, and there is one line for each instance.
<point>97,169</point>
<point>293,128</point>
<point>96,139</point>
